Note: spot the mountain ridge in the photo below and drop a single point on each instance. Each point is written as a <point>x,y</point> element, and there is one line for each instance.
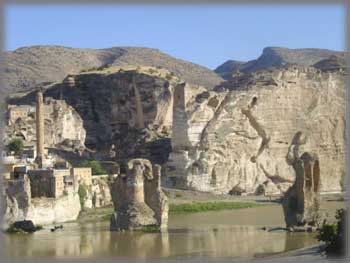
<point>279,57</point>
<point>26,67</point>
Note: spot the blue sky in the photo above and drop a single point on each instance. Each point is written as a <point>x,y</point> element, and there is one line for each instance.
<point>207,35</point>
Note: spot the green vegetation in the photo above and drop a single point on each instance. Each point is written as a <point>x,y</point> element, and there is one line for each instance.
<point>106,217</point>
<point>334,234</point>
<point>16,146</point>
<point>168,76</point>
<point>150,229</point>
<point>209,206</point>
<point>3,107</point>
<point>104,66</point>
<point>39,227</point>
<point>14,230</point>
<point>151,70</point>
<point>96,167</point>
<point>82,192</point>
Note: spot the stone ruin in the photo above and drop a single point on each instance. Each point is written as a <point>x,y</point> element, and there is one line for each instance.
<point>138,198</point>
<point>301,202</point>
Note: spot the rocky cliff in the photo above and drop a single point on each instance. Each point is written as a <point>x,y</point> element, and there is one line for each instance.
<point>63,125</point>
<point>232,138</point>
<point>130,107</point>
<point>236,139</point>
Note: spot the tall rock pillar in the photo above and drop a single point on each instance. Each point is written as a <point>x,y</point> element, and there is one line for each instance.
<point>139,111</point>
<point>39,128</point>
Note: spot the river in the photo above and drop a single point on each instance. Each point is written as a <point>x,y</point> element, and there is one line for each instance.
<point>234,234</point>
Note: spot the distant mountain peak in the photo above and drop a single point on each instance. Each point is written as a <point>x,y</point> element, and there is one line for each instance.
<point>274,57</point>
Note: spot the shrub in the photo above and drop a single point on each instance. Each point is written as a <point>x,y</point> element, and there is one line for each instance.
<point>96,167</point>
<point>150,229</point>
<point>334,234</point>
<point>82,192</point>
<point>16,146</point>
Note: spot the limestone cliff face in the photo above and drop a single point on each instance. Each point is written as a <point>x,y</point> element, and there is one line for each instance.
<point>63,125</point>
<point>233,138</point>
<point>129,106</point>
<point>237,140</point>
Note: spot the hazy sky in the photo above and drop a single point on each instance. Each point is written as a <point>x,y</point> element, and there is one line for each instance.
<point>207,35</point>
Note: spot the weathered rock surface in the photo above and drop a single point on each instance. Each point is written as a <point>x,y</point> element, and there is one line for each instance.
<point>238,139</point>
<point>138,198</point>
<point>63,126</point>
<point>130,107</point>
<point>302,201</point>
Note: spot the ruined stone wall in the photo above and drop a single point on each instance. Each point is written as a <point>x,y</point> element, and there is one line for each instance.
<point>42,183</point>
<point>20,205</point>
<point>242,142</point>
<point>82,174</point>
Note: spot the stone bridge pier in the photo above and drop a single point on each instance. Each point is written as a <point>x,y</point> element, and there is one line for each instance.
<point>301,201</point>
<point>138,198</point>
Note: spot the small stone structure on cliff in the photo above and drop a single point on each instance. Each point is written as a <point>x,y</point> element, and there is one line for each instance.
<point>301,201</point>
<point>138,198</point>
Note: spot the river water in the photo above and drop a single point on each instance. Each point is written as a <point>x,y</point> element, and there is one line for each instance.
<point>232,234</point>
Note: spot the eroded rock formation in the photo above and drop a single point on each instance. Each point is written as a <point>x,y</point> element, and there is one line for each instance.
<point>138,198</point>
<point>235,139</point>
<point>301,201</point>
<point>130,107</point>
<point>63,126</point>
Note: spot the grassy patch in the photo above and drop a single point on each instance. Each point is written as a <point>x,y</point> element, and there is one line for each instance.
<point>13,230</point>
<point>106,217</point>
<point>150,229</point>
<point>209,206</point>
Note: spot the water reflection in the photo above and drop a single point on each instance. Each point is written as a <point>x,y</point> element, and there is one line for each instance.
<point>214,234</point>
<point>97,241</point>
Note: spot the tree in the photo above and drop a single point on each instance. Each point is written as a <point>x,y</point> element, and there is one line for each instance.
<point>16,146</point>
<point>82,192</point>
<point>334,234</point>
<point>95,166</point>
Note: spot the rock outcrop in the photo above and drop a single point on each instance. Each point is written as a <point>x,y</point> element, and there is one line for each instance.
<point>138,198</point>
<point>302,201</point>
<point>128,107</point>
<point>63,125</point>
<point>236,139</point>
